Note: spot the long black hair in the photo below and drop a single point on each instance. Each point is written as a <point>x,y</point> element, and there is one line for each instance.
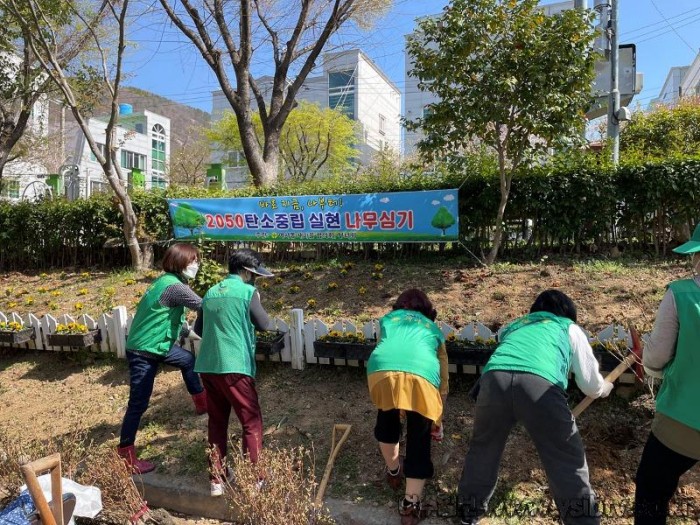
<point>555,302</point>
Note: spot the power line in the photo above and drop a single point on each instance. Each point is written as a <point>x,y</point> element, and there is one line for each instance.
<point>671,26</point>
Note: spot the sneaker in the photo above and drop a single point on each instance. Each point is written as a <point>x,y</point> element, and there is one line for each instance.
<point>217,485</point>
<point>395,480</point>
<point>216,489</point>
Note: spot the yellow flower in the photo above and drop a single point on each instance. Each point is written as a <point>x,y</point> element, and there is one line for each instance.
<point>343,272</point>
<point>43,275</point>
<point>362,290</point>
<point>85,275</point>
<point>11,326</point>
<point>311,303</point>
<point>378,267</point>
<point>53,306</point>
<point>451,337</point>
<point>110,290</point>
<point>332,286</point>
<point>79,306</point>
<point>264,285</point>
<point>294,289</point>
<point>278,280</point>
<point>129,282</point>
<point>83,291</point>
<point>377,276</point>
<point>308,276</point>
<point>42,289</point>
<point>12,304</point>
<point>29,301</point>
<point>56,293</point>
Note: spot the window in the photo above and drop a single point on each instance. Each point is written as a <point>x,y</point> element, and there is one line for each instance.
<point>341,92</point>
<point>103,151</point>
<point>10,189</point>
<point>236,159</point>
<point>133,160</point>
<point>427,111</point>
<point>382,124</point>
<point>139,127</point>
<point>157,182</point>
<point>158,149</point>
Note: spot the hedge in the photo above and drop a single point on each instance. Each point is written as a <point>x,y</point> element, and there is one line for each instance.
<point>564,206</point>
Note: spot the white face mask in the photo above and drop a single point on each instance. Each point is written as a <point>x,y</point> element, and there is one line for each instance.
<point>191,271</point>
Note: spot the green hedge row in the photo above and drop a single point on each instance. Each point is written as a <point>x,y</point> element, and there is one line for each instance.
<point>567,204</point>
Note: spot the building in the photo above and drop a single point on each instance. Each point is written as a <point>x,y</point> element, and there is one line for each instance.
<point>671,90</point>
<point>350,82</point>
<point>143,141</point>
<point>25,176</point>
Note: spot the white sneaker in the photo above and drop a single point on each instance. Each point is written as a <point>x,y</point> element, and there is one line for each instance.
<point>216,489</point>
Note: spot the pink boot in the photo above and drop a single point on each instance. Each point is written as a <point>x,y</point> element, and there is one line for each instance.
<point>200,403</point>
<point>137,466</point>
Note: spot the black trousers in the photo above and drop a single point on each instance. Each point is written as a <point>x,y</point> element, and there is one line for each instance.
<point>657,480</point>
<point>417,463</point>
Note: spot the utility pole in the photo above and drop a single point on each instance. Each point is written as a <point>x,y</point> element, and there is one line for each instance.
<point>614,97</point>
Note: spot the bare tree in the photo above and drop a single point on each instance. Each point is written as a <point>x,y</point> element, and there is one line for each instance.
<point>23,82</point>
<point>228,33</point>
<point>40,21</point>
<point>188,164</point>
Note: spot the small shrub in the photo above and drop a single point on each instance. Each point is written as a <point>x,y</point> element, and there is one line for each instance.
<point>264,285</point>
<point>362,290</point>
<point>79,307</point>
<point>29,301</point>
<point>288,494</point>
<point>278,280</point>
<point>498,296</point>
<point>377,276</point>
<point>83,291</point>
<point>378,267</point>
<point>294,289</point>
<point>332,286</point>
<point>311,303</point>
<point>308,276</point>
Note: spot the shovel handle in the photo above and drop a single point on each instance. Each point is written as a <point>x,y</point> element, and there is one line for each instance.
<point>48,514</point>
<point>620,369</point>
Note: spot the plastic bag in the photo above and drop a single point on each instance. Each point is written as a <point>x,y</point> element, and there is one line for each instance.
<point>88,500</point>
<point>16,513</point>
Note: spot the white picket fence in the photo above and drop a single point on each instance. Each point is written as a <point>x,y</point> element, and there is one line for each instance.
<point>299,337</point>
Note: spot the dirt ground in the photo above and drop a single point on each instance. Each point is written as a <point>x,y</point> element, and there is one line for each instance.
<point>50,394</point>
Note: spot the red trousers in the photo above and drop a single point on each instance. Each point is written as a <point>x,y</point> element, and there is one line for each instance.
<point>237,391</point>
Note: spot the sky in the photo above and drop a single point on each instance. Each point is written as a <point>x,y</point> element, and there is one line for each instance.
<point>161,60</point>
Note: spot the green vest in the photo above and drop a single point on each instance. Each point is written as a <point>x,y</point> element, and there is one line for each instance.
<point>408,343</point>
<point>537,343</point>
<point>156,327</point>
<point>680,390</point>
<point>228,336</point>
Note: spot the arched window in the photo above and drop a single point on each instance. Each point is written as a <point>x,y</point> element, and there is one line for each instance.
<point>158,156</point>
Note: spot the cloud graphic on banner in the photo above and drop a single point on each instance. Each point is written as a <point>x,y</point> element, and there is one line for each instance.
<point>384,200</point>
<point>435,203</point>
<point>448,198</point>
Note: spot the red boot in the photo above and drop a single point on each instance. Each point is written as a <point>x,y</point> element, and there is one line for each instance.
<point>200,403</point>
<point>137,466</point>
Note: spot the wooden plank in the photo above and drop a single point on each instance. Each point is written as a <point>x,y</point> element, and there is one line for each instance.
<point>295,336</point>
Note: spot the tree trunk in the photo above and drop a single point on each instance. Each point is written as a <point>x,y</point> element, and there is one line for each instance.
<point>505,180</point>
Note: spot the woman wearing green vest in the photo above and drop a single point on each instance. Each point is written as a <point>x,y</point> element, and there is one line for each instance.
<point>672,352</point>
<point>525,382</point>
<point>157,324</point>
<point>408,371</point>
<point>231,312</point>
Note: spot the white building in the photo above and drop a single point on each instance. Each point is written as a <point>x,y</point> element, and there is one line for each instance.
<point>19,176</point>
<point>671,90</point>
<point>350,82</point>
<point>690,85</point>
<point>143,141</point>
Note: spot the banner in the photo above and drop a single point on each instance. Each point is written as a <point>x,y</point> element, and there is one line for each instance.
<point>412,216</point>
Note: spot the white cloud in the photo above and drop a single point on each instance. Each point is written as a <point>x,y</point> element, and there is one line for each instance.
<point>435,203</point>
<point>384,200</point>
<point>449,197</point>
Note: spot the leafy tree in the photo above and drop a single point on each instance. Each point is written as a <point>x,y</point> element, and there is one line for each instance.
<point>662,133</point>
<point>187,217</point>
<point>231,34</point>
<point>508,77</point>
<point>105,27</point>
<point>442,220</point>
<point>313,140</point>
<point>23,83</point>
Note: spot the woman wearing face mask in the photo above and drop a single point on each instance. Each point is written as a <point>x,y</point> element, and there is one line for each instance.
<point>673,353</point>
<point>157,324</point>
<point>231,312</point>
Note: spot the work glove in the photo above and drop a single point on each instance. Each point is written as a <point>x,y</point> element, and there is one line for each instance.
<point>607,388</point>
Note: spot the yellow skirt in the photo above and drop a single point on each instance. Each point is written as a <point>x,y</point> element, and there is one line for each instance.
<point>390,390</point>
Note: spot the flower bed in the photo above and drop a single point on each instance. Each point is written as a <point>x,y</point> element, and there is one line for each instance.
<point>465,352</point>
<point>269,342</point>
<point>74,335</point>
<point>14,333</point>
<point>338,345</point>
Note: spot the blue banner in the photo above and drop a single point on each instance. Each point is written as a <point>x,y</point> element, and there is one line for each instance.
<point>412,216</point>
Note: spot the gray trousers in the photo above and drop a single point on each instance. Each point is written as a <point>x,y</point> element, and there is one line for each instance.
<point>507,398</point>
